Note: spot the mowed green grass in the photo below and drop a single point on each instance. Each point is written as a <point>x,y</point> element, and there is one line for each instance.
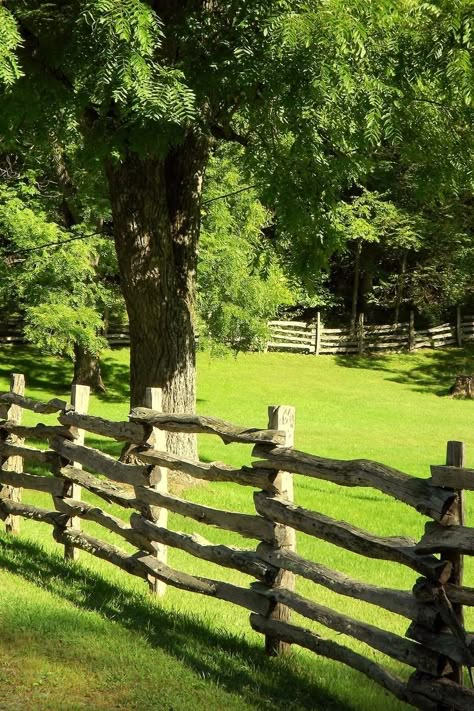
<point>89,636</point>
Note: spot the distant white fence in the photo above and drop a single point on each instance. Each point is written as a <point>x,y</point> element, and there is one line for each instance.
<point>314,337</point>
<point>12,332</point>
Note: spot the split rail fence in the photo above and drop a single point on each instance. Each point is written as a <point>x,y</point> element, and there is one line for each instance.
<point>11,332</point>
<point>436,646</point>
<point>315,338</point>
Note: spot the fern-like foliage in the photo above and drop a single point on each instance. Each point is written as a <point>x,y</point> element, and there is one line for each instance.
<point>450,25</point>
<point>318,90</point>
<point>126,38</point>
<point>56,290</point>
<point>10,40</point>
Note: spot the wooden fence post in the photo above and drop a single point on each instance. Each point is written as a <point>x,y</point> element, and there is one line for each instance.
<point>153,400</point>
<point>411,332</point>
<point>360,334</point>
<point>435,595</point>
<point>459,333</point>
<point>455,457</point>
<point>317,345</point>
<point>14,464</point>
<point>282,417</point>
<point>80,395</point>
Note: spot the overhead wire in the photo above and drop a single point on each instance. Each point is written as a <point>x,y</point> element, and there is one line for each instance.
<point>47,245</point>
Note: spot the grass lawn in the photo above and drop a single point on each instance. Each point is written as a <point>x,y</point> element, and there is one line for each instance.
<point>89,636</point>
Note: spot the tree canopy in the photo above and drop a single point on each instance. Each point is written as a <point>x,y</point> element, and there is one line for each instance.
<point>332,104</point>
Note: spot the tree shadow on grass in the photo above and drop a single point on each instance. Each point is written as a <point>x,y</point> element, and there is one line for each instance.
<point>116,376</point>
<point>230,661</point>
<point>41,372</point>
<point>430,371</point>
<point>54,374</point>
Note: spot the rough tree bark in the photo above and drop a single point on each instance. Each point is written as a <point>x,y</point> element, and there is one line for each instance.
<point>156,214</point>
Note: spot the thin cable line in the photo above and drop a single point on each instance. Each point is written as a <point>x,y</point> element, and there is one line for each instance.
<point>235,192</point>
<point>46,245</point>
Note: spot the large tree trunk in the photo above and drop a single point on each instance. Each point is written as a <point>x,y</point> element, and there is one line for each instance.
<point>156,214</point>
<point>87,369</point>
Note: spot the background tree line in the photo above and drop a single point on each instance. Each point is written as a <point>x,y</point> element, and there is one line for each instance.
<point>391,256</point>
<point>341,137</point>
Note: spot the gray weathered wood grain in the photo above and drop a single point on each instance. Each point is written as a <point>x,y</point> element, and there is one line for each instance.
<point>342,534</point>
<point>452,477</point>
<point>120,431</point>
<point>212,471</point>
<point>398,601</point>
<point>444,643</point>
<point>424,591</point>
<point>39,431</point>
<point>443,692</point>
<point>107,490</point>
<point>246,561</point>
<point>31,454</point>
<point>247,525</point>
<point>28,403</point>
<point>145,565</point>
<point>411,653</point>
<point>133,474</point>
<point>13,462</point>
<point>88,512</point>
<point>332,650</point>
<point>206,425</point>
<point>32,482</point>
<point>28,511</point>
<point>447,539</point>
<point>418,493</point>
<point>282,417</point>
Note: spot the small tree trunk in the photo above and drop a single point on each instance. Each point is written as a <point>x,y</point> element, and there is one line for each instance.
<point>156,214</point>
<point>87,370</point>
<point>355,286</point>
<point>463,387</point>
<point>400,285</point>
<point>366,288</point>
<point>106,319</point>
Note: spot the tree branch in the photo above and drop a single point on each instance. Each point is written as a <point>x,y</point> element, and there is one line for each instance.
<point>226,133</point>
<point>69,206</point>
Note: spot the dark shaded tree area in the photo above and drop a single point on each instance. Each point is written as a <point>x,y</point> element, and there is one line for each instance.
<point>401,257</point>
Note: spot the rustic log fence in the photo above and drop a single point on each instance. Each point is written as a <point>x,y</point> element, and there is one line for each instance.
<point>11,333</point>
<point>313,337</point>
<point>437,645</point>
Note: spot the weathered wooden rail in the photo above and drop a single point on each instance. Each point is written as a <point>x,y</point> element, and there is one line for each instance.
<point>313,337</point>
<point>437,645</point>
<point>11,332</point>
